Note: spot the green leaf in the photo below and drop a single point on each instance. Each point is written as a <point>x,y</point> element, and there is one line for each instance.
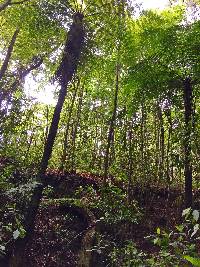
<point>180,228</point>
<point>157,241</point>
<point>194,261</point>
<point>158,231</point>
<point>186,212</point>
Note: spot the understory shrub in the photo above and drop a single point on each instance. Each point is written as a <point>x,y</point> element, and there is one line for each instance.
<point>176,248</point>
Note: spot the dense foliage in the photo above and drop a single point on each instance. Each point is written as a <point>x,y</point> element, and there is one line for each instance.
<point>126,82</point>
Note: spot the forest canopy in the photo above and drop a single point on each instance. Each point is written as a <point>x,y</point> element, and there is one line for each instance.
<point>126,98</point>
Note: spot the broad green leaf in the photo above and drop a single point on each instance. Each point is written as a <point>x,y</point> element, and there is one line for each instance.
<point>194,261</point>
<point>158,231</point>
<point>180,227</point>
<point>186,212</point>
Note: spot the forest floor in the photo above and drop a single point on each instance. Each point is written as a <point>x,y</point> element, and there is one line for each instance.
<point>60,229</point>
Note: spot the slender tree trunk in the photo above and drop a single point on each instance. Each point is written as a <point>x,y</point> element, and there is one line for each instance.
<point>187,141</point>
<point>65,73</point>
<point>112,127</point>
<point>110,138</point>
<point>4,66</point>
<point>156,141</point>
<point>74,134</point>
<point>7,3</point>
<point>142,140</point>
<point>130,163</point>
<point>66,135</point>
<point>161,143</point>
<point>47,125</point>
<point>66,70</point>
<point>23,72</point>
<point>4,5</point>
<point>101,149</point>
<point>94,157</point>
<point>29,139</point>
<point>168,155</point>
<point>28,149</point>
